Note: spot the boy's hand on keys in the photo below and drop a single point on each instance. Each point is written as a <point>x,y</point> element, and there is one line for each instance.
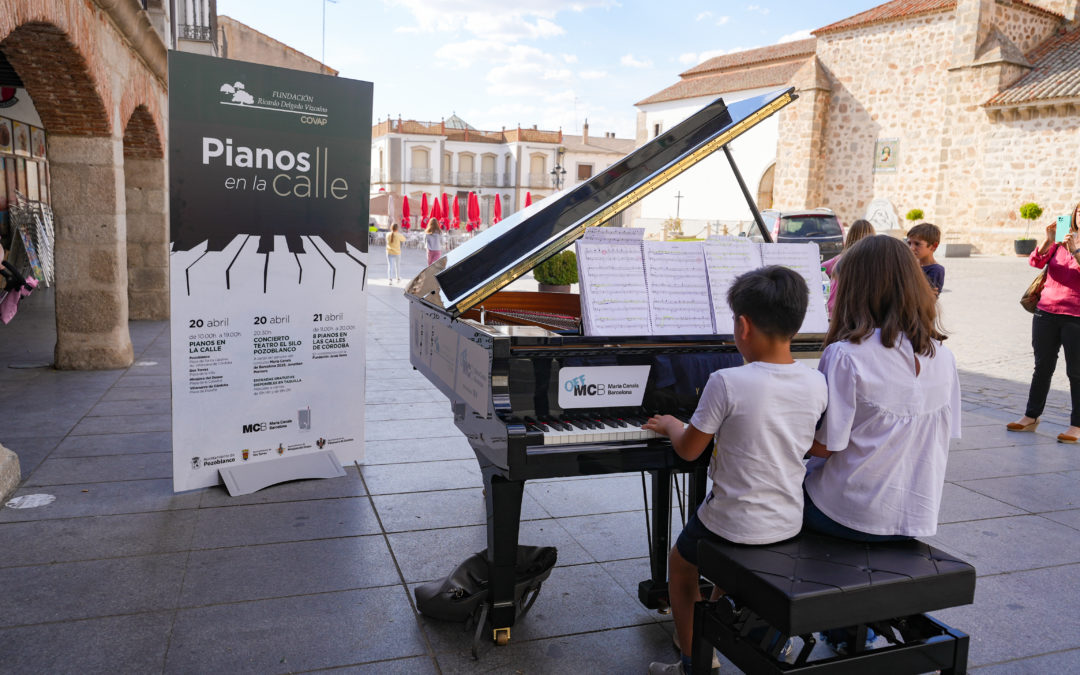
<point>662,424</point>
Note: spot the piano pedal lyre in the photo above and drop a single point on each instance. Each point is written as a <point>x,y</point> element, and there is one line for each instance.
<point>501,636</point>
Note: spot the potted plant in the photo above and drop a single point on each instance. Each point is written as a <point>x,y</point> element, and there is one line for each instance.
<point>557,272</point>
<point>914,215</point>
<point>1026,244</point>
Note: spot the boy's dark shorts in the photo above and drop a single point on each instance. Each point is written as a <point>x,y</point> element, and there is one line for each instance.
<point>694,532</point>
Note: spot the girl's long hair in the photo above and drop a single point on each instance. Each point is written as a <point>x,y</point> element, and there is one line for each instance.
<point>860,229</point>
<point>433,226</point>
<point>880,285</point>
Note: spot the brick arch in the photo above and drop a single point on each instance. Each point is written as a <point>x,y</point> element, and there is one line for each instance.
<point>57,77</point>
<point>141,137</point>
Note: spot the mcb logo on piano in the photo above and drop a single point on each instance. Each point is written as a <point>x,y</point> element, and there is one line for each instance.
<point>578,387</point>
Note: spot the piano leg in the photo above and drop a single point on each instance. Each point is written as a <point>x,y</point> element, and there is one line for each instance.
<point>503,500</point>
<point>653,593</point>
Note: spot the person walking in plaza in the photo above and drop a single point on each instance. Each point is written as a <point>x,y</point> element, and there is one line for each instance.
<point>757,459</point>
<point>859,230</point>
<point>894,403</point>
<point>394,240</point>
<point>923,240</point>
<point>433,241</point>
<point>1056,324</point>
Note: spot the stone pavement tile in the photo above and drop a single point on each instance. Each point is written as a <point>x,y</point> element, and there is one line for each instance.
<point>1021,614</point>
<point>281,522</point>
<point>81,590</point>
<point>622,650</point>
<point>606,494</point>
<point>447,508</point>
<point>122,424</point>
<point>628,573</point>
<point>134,643</point>
<point>399,365</point>
<point>616,536</point>
<point>574,599</point>
<point>103,469</point>
<point>348,485</point>
<point>140,406</point>
<point>1070,518</point>
<point>995,436</point>
<point>410,399</point>
<point>398,450</point>
<point>1006,416</point>
<point>392,412</point>
<point>994,462</point>
<point>37,420</point>
<point>95,537</point>
<point>295,634</point>
<point>114,444</point>
<point>413,550</point>
<point>278,570</point>
<point>1074,474</point>
<point>959,504</point>
<point>137,393</point>
<point>1035,493</point>
<point>384,479</point>
<point>416,665</point>
<point>132,379</point>
<point>1059,662</point>
<point>1009,544</point>
<point>99,499</point>
<point>419,428</point>
<point>31,450</point>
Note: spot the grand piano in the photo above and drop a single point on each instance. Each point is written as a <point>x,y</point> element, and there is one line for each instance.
<point>504,357</point>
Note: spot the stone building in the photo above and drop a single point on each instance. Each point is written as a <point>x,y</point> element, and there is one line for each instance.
<point>413,158</point>
<point>976,101</point>
<point>241,42</point>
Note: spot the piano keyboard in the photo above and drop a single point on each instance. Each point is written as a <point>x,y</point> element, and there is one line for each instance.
<point>587,427</point>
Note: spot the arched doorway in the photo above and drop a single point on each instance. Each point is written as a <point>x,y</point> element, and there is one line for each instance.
<point>765,188</point>
<point>145,191</point>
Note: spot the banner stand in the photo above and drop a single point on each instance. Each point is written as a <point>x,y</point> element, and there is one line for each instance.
<point>248,478</point>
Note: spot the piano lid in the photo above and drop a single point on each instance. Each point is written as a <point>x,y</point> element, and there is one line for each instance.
<point>467,275</point>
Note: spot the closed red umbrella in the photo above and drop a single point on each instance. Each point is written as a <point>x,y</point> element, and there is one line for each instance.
<point>455,221</point>
<point>496,216</point>
<point>423,211</point>
<point>405,212</point>
<point>474,210</point>
<point>528,199</point>
<point>444,217</point>
<point>435,210</point>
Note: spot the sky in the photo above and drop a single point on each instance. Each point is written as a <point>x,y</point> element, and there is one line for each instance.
<point>550,63</point>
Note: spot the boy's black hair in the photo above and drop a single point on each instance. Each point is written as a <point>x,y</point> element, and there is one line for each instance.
<point>774,298</point>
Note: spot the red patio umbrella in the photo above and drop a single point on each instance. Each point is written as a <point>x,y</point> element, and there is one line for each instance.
<point>445,213</point>
<point>474,211</point>
<point>455,221</point>
<point>497,215</point>
<point>423,211</point>
<point>435,210</point>
<point>528,199</point>
<point>405,212</point>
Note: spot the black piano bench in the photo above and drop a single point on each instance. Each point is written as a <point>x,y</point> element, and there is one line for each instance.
<point>814,583</point>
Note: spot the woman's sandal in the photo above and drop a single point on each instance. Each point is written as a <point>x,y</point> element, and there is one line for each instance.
<point>1016,426</point>
<point>1065,438</point>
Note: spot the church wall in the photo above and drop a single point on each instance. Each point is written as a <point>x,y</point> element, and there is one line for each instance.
<point>1025,27</point>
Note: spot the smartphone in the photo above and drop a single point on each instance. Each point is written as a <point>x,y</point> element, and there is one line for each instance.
<point>1063,223</point>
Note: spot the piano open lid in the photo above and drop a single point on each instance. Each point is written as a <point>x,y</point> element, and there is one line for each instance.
<point>467,275</point>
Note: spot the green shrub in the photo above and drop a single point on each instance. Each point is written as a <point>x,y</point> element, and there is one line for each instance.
<point>914,214</point>
<point>1029,212</point>
<point>558,270</point>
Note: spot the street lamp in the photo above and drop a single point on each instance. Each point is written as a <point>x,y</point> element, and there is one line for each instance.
<point>558,174</point>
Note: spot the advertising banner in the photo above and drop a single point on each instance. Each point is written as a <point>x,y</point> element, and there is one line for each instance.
<point>269,181</point>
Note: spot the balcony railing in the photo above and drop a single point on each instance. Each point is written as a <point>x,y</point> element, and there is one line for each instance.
<point>192,32</point>
<point>420,175</point>
<point>489,179</point>
<point>539,180</point>
<point>465,178</point>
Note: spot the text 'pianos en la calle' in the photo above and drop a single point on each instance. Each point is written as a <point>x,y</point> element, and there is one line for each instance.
<point>502,357</point>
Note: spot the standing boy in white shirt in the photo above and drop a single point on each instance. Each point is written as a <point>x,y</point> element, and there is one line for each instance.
<point>761,417</point>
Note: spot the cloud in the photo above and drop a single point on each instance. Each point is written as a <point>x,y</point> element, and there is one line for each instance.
<point>631,62</point>
<point>720,21</point>
<point>797,35</point>
<point>757,8</point>
<point>493,19</point>
<point>689,58</point>
<point>592,74</point>
<point>569,58</point>
<point>702,16</point>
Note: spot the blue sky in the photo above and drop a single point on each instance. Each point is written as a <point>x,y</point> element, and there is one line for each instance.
<point>552,63</point>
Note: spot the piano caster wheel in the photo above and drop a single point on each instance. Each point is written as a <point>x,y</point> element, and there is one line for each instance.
<point>502,636</point>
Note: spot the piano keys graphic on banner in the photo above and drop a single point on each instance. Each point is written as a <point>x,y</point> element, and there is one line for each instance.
<point>269,184</point>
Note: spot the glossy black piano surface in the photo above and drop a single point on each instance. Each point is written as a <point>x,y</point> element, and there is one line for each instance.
<point>502,357</point>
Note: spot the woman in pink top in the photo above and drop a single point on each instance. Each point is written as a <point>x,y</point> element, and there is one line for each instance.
<point>858,230</point>
<point>1056,324</point>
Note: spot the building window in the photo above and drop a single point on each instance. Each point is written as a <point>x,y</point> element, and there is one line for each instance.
<point>656,128</point>
<point>584,171</point>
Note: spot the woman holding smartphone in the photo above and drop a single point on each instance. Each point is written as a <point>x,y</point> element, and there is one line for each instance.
<point>1056,324</point>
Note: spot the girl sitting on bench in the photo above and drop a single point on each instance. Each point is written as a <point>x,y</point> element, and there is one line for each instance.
<point>894,402</point>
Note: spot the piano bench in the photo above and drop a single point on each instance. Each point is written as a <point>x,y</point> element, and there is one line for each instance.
<point>814,583</point>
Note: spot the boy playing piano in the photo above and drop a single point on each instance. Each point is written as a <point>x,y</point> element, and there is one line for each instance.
<point>761,417</point>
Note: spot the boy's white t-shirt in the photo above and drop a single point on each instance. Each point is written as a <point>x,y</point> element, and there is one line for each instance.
<point>763,416</point>
<point>890,430</point>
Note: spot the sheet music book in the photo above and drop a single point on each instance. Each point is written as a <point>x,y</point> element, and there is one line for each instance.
<point>634,287</point>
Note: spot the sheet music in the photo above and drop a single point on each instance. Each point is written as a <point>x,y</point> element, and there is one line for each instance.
<point>678,288</point>
<point>806,260</point>
<point>725,259</point>
<point>627,235</point>
<point>614,298</point>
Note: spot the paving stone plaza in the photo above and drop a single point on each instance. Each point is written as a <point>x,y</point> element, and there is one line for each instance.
<point>121,575</point>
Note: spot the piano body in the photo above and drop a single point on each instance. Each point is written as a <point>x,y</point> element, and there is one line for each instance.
<point>506,359</point>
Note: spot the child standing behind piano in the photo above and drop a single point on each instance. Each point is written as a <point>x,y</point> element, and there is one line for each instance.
<point>761,417</point>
